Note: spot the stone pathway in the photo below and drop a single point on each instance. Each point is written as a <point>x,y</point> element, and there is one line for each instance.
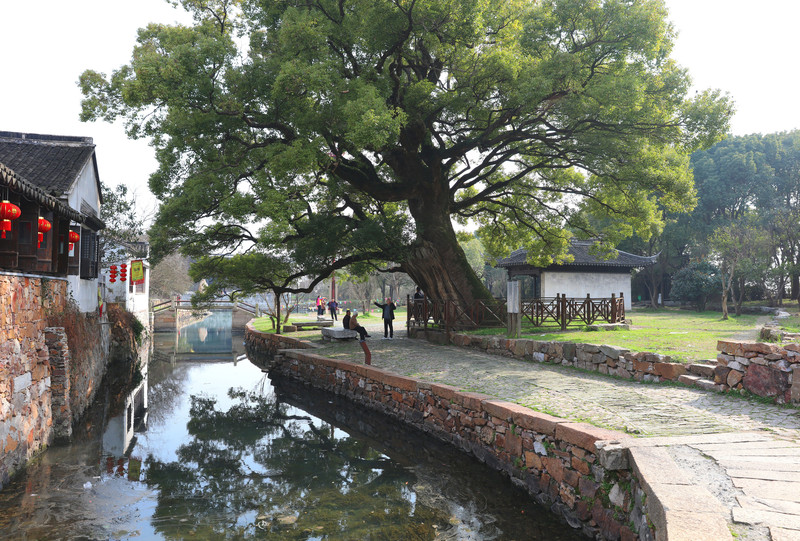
<point>755,446</point>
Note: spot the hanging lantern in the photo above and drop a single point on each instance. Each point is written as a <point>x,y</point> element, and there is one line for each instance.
<point>8,211</point>
<point>73,238</point>
<point>44,227</point>
<point>123,272</point>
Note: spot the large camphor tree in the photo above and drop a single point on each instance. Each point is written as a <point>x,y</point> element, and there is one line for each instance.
<point>299,137</point>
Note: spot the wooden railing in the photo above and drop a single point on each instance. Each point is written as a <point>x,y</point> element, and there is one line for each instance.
<point>451,314</point>
<point>186,304</point>
<point>560,312</point>
<point>563,312</point>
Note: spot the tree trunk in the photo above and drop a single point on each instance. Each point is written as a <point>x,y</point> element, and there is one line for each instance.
<point>436,261</point>
<point>740,298</point>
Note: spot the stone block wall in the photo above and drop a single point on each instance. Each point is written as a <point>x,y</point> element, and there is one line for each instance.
<point>562,464</point>
<point>763,369</point>
<point>44,383</point>
<point>88,362</point>
<point>261,347</point>
<point>59,358</point>
<point>26,415</point>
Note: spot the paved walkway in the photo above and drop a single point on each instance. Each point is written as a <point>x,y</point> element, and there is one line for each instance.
<point>745,452</point>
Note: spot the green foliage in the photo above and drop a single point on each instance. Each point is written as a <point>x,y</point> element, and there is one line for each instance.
<point>696,283</point>
<point>123,224</point>
<point>346,136</point>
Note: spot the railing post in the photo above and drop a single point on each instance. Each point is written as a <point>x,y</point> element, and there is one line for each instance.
<point>562,307</point>
<point>613,309</point>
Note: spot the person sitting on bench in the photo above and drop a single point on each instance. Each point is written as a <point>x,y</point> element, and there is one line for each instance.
<point>354,326</point>
<point>346,320</point>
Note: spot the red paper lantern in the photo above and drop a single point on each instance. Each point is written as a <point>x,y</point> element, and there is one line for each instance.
<point>44,227</point>
<point>8,211</point>
<point>73,238</point>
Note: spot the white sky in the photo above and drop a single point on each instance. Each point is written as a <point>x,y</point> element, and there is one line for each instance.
<point>739,46</point>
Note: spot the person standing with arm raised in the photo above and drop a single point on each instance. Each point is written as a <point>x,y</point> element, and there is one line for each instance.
<point>388,316</point>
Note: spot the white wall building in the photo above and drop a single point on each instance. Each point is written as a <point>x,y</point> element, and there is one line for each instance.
<point>585,275</point>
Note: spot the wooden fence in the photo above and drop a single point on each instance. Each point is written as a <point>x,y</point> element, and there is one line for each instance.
<point>560,312</point>
<point>186,304</point>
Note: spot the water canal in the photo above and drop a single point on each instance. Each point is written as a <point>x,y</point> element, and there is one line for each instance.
<point>223,452</point>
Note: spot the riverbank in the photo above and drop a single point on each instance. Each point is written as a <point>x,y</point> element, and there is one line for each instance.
<point>671,415</point>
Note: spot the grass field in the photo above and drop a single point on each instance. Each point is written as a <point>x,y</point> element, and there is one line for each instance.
<point>684,335</point>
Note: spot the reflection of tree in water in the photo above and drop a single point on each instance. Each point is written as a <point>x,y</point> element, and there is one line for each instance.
<point>258,469</point>
<point>167,384</point>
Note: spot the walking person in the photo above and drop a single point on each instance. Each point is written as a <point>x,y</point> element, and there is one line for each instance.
<point>320,308</point>
<point>388,316</point>
<point>354,326</point>
<point>332,306</point>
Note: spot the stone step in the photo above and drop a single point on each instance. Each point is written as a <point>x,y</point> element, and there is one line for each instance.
<point>697,381</point>
<point>700,369</point>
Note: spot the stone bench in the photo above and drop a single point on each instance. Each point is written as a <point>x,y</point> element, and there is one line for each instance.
<point>313,324</point>
<point>338,333</point>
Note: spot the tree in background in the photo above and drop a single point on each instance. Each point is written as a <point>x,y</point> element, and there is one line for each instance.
<point>732,245</point>
<point>124,227</point>
<point>695,283</point>
<point>345,132</point>
<point>277,315</point>
<point>170,277</point>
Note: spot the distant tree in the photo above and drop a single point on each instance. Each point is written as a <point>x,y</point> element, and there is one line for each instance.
<point>279,315</point>
<point>124,226</point>
<point>170,276</point>
<point>696,283</point>
<point>730,246</point>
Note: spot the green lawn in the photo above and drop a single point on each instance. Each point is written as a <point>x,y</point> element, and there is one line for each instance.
<point>686,336</point>
<point>264,324</point>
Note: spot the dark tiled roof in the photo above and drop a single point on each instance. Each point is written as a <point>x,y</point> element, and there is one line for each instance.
<point>51,162</point>
<point>18,184</point>
<point>579,250</point>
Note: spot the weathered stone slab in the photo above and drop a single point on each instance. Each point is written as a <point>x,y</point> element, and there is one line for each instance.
<point>338,333</point>
<point>704,370</point>
<point>764,381</point>
<point>782,534</point>
<point>752,516</point>
<point>779,490</point>
<point>585,436</point>
<point>691,526</point>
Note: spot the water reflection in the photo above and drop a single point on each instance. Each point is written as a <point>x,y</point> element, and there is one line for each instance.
<point>225,455</point>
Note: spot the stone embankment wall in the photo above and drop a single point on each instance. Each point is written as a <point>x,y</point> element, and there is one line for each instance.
<point>26,415</point>
<point>762,369</point>
<point>563,464</point>
<point>43,385</point>
<point>262,348</point>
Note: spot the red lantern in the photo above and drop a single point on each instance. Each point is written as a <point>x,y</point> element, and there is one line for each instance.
<point>44,227</point>
<point>8,211</point>
<point>123,272</point>
<point>73,238</point>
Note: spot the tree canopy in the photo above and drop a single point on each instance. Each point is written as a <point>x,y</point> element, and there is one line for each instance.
<point>299,137</point>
